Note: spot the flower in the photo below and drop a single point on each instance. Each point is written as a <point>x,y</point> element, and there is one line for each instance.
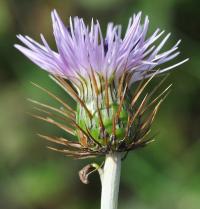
<point>99,74</point>
<point>82,48</point>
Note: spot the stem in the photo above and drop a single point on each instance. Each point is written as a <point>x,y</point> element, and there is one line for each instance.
<point>110,181</point>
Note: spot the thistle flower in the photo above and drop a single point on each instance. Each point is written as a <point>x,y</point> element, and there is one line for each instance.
<point>99,74</point>
<point>107,77</point>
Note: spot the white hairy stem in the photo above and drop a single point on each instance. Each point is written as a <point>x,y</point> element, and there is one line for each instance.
<point>110,179</point>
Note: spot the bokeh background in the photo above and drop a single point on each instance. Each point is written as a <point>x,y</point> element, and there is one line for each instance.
<point>164,175</point>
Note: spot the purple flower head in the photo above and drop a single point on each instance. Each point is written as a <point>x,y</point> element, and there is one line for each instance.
<point>82,49</point>
<point>98,73</point>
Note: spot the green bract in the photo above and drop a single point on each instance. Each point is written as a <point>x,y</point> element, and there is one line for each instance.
<point>110,116</point>
<point>103,135</point>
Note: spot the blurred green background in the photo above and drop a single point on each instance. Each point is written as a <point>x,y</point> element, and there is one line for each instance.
<point>164,175</point>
